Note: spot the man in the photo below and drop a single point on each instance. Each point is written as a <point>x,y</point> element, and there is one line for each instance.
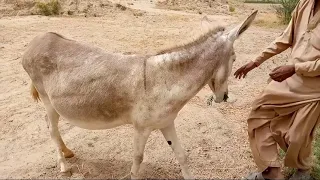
<point>288,110</point>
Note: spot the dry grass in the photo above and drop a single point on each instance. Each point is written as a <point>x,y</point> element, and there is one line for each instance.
<point>84,8</point>
<point>23,4</point>
<point>192,6</point>
<point>268,21</point>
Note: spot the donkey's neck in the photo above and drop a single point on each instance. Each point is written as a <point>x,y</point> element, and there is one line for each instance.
<point>188,68</point>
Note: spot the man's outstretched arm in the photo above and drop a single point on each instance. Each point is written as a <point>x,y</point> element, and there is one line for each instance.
<point>280,44</point>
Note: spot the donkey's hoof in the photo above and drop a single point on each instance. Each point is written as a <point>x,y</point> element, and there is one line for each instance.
<point>134,176</point>
<point>232,98</point>
<point>187,175</point>
<point>128,176</point>
<point>65,170</point>
<point>68,153</point>
<point>67,173</point>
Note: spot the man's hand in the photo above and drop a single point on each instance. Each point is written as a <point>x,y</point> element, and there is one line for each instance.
<point>281,73</point>
<point>242,72</point>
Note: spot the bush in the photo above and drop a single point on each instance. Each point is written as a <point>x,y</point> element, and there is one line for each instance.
<point>285,10</point>
<point>50,8</point>
<point>232,9</point>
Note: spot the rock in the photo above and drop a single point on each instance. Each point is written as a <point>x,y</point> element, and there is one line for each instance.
<point>70,12</point>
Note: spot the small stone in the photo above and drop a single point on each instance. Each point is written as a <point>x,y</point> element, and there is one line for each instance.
<point>51,167</point>
<point>70,12</point>
<point>205,149</point>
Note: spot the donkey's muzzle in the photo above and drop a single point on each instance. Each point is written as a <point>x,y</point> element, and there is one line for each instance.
<point>225,97</point>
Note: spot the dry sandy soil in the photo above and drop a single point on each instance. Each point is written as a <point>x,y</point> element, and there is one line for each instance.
<point>214,136</point>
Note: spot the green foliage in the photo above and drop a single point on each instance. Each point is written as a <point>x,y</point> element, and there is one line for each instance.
<point>316,166</point>
<point>285,10</point>
<point>316,160</point>
<point>232,9</point>
<point>50,8</point>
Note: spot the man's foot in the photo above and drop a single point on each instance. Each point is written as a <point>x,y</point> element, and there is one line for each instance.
<point>255,176</point>
<point>301,175</point>
<point>271,173</point>
<point>259,176</point>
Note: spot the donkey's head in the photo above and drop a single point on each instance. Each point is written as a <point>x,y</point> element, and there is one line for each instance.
<point>219,81</point>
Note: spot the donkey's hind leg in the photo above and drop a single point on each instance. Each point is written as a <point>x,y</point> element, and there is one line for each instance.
<point>66,151</point>
<point>52,119</point>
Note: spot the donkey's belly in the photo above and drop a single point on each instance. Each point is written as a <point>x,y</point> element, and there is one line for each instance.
<point>95,124</point>
<point>94,121</point>
<point>87,115</point>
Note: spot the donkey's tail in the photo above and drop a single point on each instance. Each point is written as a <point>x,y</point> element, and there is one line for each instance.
<point>34,93</point>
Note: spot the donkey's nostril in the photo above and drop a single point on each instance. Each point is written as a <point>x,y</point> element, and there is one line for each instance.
<point>225,96</point>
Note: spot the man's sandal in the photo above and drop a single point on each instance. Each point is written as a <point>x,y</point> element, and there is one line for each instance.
<point>255,176</point>
<point>298,175</point>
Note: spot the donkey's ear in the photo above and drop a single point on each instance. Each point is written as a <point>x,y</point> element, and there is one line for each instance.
<point>205,24</point>
<point>238,30</point>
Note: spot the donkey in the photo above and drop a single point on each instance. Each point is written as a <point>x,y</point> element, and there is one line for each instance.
<point>93,89</point>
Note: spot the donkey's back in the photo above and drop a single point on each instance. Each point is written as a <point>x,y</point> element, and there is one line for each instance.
<point>84,84</point>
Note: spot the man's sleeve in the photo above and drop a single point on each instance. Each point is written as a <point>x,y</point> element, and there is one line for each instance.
<point>281,43</point>
<point>309,68</point>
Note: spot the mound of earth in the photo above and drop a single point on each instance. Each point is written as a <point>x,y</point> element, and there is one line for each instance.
<point>66,7</point>
<point>196,6</point>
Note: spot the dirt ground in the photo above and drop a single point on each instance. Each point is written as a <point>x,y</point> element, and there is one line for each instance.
<point>214,137</point>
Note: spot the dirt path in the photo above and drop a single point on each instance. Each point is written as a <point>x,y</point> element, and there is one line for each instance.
<point>214,136</point>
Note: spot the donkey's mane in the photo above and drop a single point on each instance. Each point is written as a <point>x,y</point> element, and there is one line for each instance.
<point>194,42</point>
<point>61,36</point>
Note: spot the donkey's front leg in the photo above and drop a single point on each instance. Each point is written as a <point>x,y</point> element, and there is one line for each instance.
<point>171,136</point>
<point>141,136</point>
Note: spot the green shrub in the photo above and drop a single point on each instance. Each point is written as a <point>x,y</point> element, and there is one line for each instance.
<point>50,8</point>
<point>232,9</point>
<point>285,10</point>
<point>316,152</point>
